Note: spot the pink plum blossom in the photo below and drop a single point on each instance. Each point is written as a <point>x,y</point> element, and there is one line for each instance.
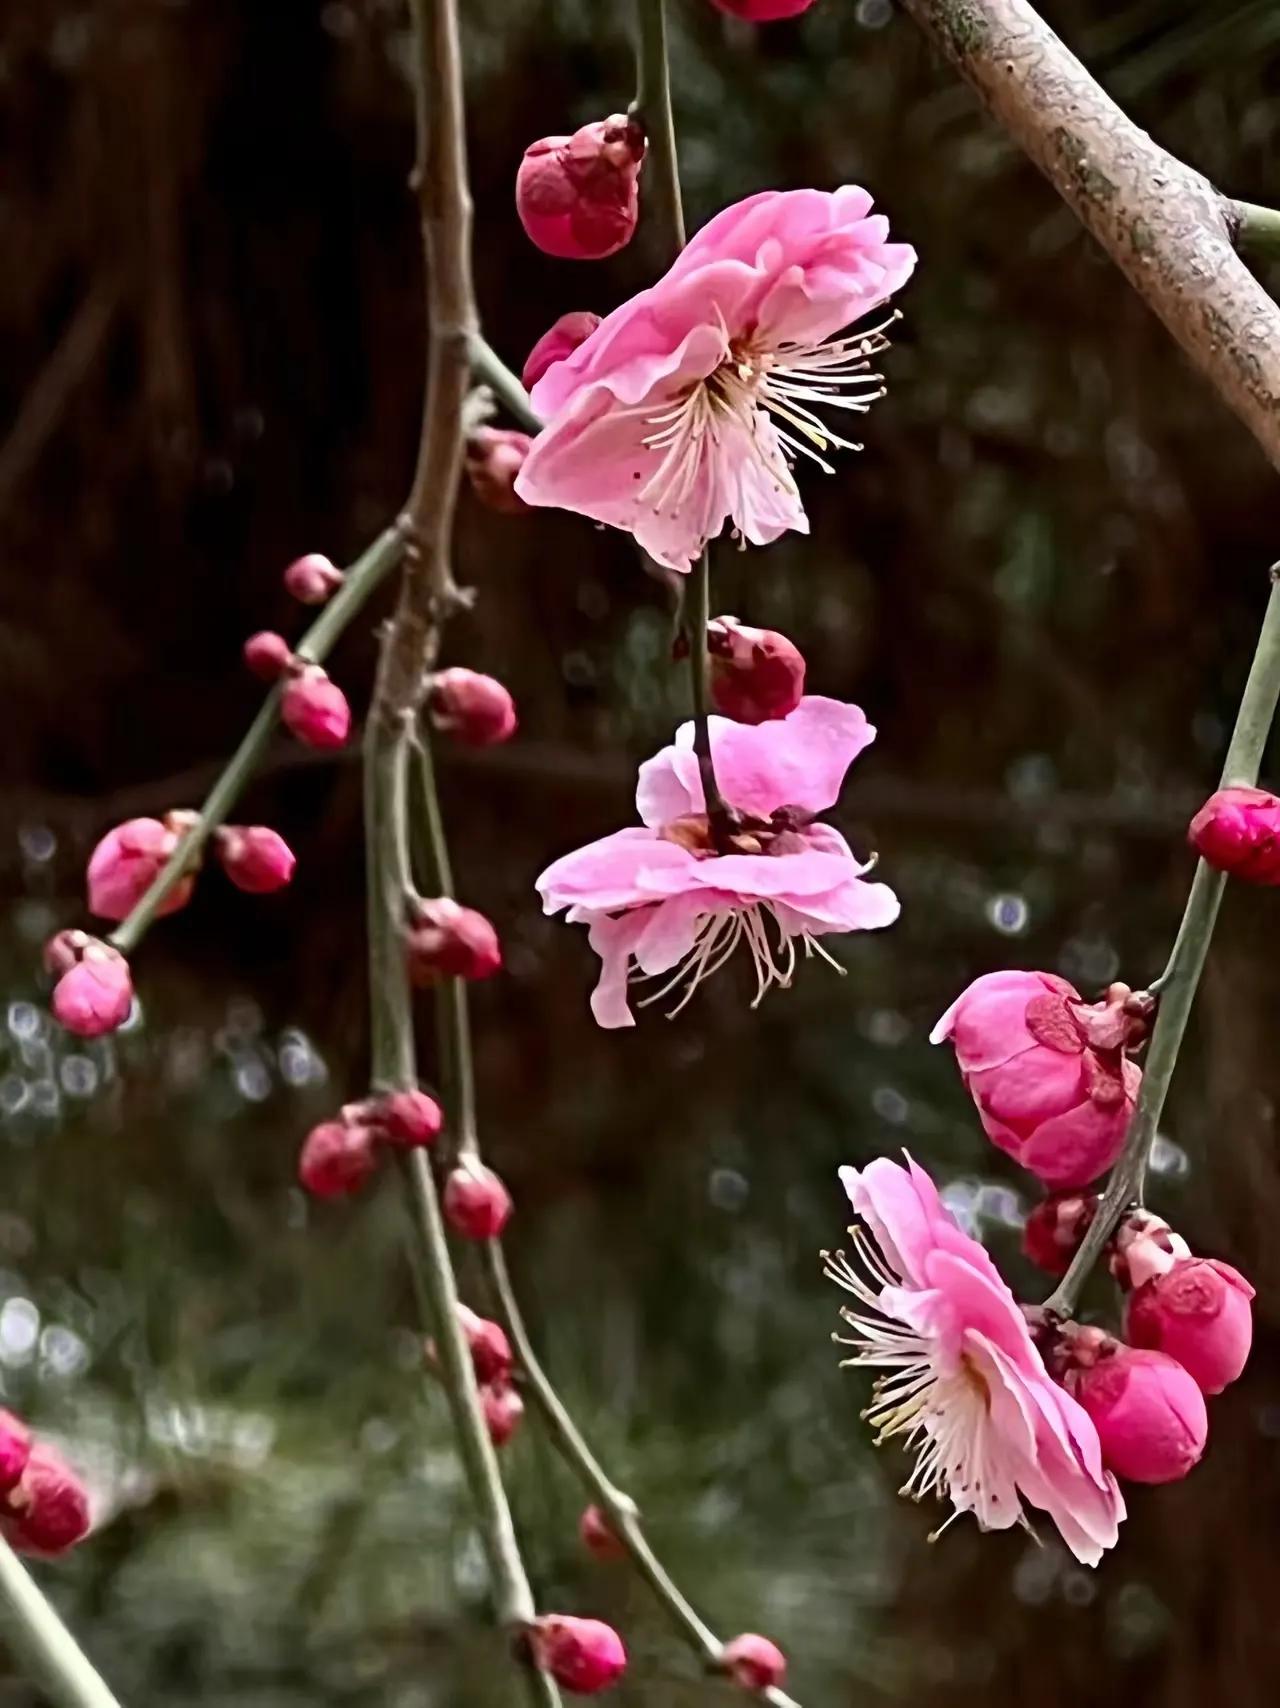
<point>687,406</point>
<point>660,900</point>
<point>963,1383</point>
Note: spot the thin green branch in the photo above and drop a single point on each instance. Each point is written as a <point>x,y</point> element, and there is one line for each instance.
<point>361,580</point>
<point>487,366</point>
<point>1177,984</point>
<point>652,107</point>
<point>41,1644</point>
<point>1257,229</point>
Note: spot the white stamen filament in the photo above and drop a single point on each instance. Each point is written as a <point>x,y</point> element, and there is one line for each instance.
<point>717,938</point>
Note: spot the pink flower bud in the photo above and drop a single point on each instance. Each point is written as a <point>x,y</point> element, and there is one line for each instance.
<point>315,709</point>
<point>337,1158</point>
<point>577,195</point>
<point>556,343</point>
<point>124,865</point>
<point>268,655</point>
<point>405,1120</point>
<point>474,708</point>
<point>753,1662</point>
<point>1149,1413</point>
<point>254,857</point>
<point>1198,1313</point>
<point>503,1411</point>
<point>1047,1071</point>
<point>94,995</point>
<point>15,1449</point>
<point>490,1348</point>
<point>47,1511</point>
<point>476,1203</point>
<point>1237,830</point>
<point>598,1536</point>
<point>495,456</point>
<point>448,941</point>
<point>1054,1228</point>
<point>64,950</point>
<point>763,11</point>
<point>312,579</point>
<point>756,674</point>
<point>582,1655</point>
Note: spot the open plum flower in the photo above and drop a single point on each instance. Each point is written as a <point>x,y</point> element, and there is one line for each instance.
<point>687,405</point>
<point>662,900</point>
<point>963,1383</point>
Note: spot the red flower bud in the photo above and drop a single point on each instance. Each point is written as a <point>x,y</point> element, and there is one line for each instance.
<point>254,857</point>
<point>756,674</point>
<point>490,1348</point>
<point>557,342</point>
<point>268,655</point>
<point>95,992</point>
<point>474,708</point>
<point>47,1511</point>
<point>315,709</point>
<point>337,1158</point>
<point>503,1410</point>
<point>598,1536</point>
<point>312,579</point>
<point>448,941</point>
<point>1237,830</point>
<point>577,195</point>
<point>763,11</point>
<point>405,1120</point>
<point>753,1662</point>
<point>1149,1413</point>
<point>582,1655</point>
<point>495,456</point>
<point>1197,1312</point>
<point>15,1449</point>
<point>126,862</point>
<point>476,1203</point>
<point>1055,1227</point>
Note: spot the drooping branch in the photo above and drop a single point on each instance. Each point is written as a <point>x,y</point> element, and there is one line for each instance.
<point>41,1642</point>
<point>1166,227</point>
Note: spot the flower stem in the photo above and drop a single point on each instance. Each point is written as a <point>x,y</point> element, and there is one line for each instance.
<point>719,815</point>
<point>361,579</point>
<point>488,366</point>
<point>1178,982</point>
<point>1257,229</point>
<point>41,1643</point>
<point>652,108</point>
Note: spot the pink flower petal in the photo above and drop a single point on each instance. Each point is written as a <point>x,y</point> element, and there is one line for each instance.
<point>611,873</point>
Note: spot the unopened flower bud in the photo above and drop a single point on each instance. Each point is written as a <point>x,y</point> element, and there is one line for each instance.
<point>1149,1413</point>
<point>15,1449</point>
<point>405,1120</point>
<point>254,857</point>
<point>95,994</point>
<point>753,1662</point>
<point>577,195</point>
<point>495,456</point>
<point>598,1536</point>
<point>476,1203</point>
<point>763,11</point>
<point>1198,1312</point>
<point>503,1411</point>
<point>268,655</point>
<point>47,1510</point>
<point>315,709</point>
<point>556,343</point>
<point>490,1348</point>
<point>126,862</point>
<point>1237,830</point>
<point>312,579</point>
<point>448,941</point>
<point>64,950</point>
<point>582,1655</point>
<point>1054,1228</point>
<point>337,1158</point>
<point>1047,1071</point>
<point>476,709</point>
<point>756,674</point>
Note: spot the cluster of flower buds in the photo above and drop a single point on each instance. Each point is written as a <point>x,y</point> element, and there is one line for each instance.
<point>340,1155</point>
<point>1237,830</point>
<point>94,991</point>
<point>313,579</point>
<point>495,456</point>
<point>445,940</point>
<point>491,1360</point>
<point>763,11</point>
<point>472,708</point>
<point>577,196</point>
<point>129,858</point>
<point>582,1655</point>
<point>44,1508</point>
<point>312,706</point>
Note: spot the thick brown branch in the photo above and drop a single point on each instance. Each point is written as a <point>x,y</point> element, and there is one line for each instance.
<point>1165,226</point>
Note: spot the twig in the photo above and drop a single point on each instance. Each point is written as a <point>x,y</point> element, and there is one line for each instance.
<point>720,815</point>
<point>652,107</point>
<point>1178,982</point>
<point>1164,225</point>
<point>487,365</point>
<point>41,1643</point>
<point>1256,229</point>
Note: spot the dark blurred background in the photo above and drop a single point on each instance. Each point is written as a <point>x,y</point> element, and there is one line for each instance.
<point>1041,580</point>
